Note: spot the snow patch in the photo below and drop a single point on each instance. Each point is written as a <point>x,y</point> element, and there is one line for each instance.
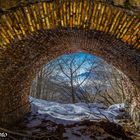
<point>76,112</point>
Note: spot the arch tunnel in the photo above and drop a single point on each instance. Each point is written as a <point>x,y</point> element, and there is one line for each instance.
<point>36,33</point>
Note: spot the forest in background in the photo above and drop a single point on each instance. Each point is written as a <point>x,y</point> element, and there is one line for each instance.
<point>82,77</point>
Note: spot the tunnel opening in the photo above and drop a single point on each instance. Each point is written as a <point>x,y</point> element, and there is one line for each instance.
<point>75,72</point>
<point>79,87</point>
<point>82,78</point>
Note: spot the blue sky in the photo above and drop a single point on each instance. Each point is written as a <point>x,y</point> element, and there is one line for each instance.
<point>80,56</point>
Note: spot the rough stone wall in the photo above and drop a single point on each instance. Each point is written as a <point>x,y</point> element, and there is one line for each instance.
<point>34,35</point>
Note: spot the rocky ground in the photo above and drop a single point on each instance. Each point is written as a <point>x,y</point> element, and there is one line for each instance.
<point>36,127</point>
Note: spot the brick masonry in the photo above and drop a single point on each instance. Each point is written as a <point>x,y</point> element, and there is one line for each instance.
<point>33,35</point>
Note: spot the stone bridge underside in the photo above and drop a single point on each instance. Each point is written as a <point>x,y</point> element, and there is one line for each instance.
<point>33,35</point>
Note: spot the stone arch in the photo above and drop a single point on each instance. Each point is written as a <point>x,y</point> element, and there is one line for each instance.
<point>28,40</point>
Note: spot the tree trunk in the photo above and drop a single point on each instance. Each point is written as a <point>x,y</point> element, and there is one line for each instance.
<point>72,89</point>
<point>39,84</point>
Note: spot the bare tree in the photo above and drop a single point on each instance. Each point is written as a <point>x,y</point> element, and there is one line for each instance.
<point>63,78</point>
<point>70,70</point>
<point>38,85</point>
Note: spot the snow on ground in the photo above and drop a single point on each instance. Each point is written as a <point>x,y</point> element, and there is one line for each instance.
<point>66,113</point>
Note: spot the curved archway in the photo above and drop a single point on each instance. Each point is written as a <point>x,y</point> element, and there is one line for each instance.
<point>29,40</point>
